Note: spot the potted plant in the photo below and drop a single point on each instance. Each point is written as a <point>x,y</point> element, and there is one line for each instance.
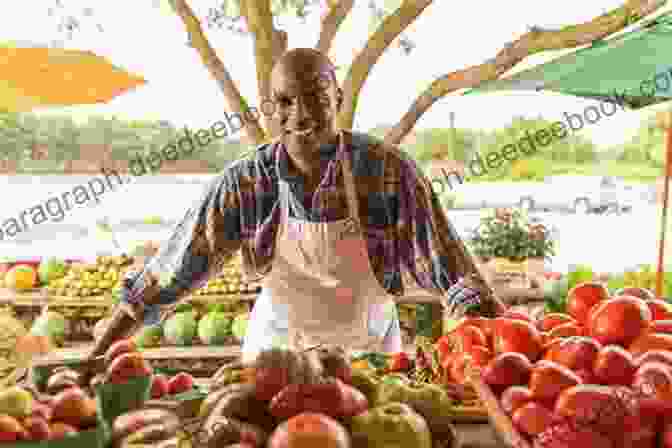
<point>513,244</point>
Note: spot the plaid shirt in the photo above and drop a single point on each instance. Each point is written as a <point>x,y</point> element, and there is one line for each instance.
<point>406,230</point>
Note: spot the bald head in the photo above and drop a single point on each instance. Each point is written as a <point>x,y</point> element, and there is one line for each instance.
<point>307,99</point>
<point>303,64</point>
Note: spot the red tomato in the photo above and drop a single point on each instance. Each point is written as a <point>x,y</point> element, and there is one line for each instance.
<point>614,366</point>
<point>510,314</point>
<point>443,346</point>
<point>480,322</point>
<point>532,418</point>
<point>552,320</point>
<point>507,369</point>
<point>582,297</point>
<point>481,355</point>
<point>661,326</point>
<point>512,335</point>
<point>549,379</point>
<point>575,353</point>
<point>654,379</point>
<point>447,360</point>
<point>635,291</point>
<point>565,435</point>
<point>663,356</point>
<point>619,320</point>
<point>459,369</point>
<point>650,341</point>
<point>515,397</point>
<point>660,309</point>
<point>565,331</point>
<point>581,404</point>
<point>467,337</point>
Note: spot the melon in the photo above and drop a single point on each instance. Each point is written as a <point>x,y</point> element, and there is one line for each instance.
<point>52,325</point>
<point>51,268</point>
<point>180,328</point>
<point>214,328</point>
<point>149,336</point>
<point>239,327</point>
<point>21,277</point>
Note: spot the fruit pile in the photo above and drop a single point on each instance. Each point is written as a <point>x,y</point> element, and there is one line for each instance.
<point>92,279</point>
<point>229,281</point>
<point>51,417</point>
<point>296,399</point>
<point>600,375</point>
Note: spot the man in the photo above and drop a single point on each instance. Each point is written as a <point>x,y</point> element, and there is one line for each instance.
<point>329,219</point>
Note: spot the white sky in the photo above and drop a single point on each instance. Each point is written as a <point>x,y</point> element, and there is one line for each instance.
<point>147,38</point>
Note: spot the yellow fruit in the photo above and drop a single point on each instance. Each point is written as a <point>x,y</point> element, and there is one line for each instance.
<point>21,277</point>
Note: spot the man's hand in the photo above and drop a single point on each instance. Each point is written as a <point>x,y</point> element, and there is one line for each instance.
<point>136,311</point>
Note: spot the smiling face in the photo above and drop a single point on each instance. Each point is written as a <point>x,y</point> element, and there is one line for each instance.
<point>307,100</point>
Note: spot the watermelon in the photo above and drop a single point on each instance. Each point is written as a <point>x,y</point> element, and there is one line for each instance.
<point>52,325</point>
<point>149,336</point>
<point>214,328</point>
<point>180,328</point>
<point>239,327</point>
<point>50,269</point>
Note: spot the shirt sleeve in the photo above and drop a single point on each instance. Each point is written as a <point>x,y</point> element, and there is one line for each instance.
<point>207,236</point>
<point>430,248</point>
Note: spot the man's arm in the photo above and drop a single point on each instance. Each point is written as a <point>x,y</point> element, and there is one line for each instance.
<point>200,245</point>
<point>433,251</point>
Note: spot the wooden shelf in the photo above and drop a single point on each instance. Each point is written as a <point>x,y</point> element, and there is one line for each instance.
<point>228,352</point>
<point>510,295</point>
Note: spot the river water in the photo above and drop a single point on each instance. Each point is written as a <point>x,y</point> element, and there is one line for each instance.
<point>608,243</point>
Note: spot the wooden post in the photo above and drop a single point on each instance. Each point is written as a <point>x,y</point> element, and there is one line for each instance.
<point>666,195</point>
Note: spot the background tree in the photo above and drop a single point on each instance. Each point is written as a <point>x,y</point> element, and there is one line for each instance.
<point>389,20</point>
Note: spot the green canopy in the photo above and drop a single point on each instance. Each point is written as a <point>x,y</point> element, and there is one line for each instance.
<point>634,68</point>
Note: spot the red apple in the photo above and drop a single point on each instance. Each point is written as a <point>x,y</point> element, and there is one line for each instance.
<point>179,383</point>
<point>160,385</point>
<point>119,348</point>
<point>38,428</point>
<point>127,366</point>
<point>41,410</point>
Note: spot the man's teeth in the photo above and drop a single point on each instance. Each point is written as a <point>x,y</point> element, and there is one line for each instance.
<point>304,132</point>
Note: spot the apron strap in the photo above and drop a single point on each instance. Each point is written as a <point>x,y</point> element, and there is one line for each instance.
<point>349,180</point>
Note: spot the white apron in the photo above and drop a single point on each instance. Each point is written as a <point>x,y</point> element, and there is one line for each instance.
<point>321,288</point>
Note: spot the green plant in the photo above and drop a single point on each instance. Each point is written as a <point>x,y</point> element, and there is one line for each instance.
<point>508,233</point>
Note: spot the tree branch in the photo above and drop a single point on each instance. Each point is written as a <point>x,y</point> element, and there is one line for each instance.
<point>217,69</point>
<point>529,43</point>
<point>260,22</point>
<point>390,29</point>
<point>338,11</point>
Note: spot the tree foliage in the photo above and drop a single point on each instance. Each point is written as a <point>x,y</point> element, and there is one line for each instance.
<point>389,21</point>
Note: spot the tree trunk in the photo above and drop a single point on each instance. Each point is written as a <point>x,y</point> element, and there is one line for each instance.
<point>217,69</point>
<point>338,11</point>
<point>390,29</point>
<point>532,42</point>
<point>260,22</point>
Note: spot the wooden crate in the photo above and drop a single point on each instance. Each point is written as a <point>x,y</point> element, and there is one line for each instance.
<point>500,421</point>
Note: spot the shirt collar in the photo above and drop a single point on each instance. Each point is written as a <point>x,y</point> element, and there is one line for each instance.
<point>328,153</point>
